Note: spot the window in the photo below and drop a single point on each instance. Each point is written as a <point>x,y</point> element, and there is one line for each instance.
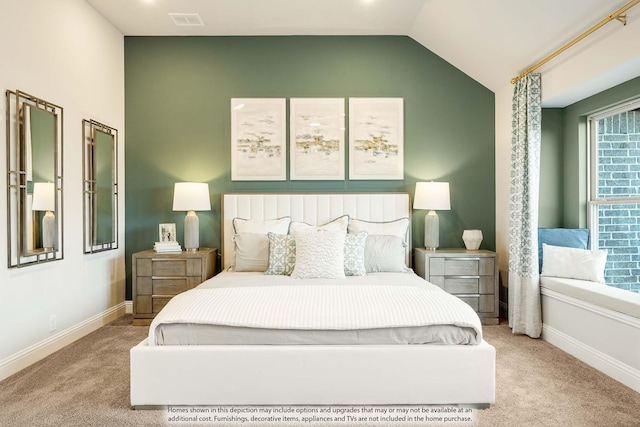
<point>614,203</point>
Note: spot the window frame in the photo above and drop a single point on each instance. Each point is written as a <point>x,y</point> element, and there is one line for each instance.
<point>594,202</point>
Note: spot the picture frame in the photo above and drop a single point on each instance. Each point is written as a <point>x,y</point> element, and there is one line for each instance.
<point>258,139</point>
<point>316,139</point>
<point>376,138</point>
<point>167,232</point>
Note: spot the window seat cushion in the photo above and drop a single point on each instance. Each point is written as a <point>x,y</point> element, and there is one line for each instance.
<point>596,293</point>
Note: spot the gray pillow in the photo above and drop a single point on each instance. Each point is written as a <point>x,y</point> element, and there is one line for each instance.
<point>384,253</point>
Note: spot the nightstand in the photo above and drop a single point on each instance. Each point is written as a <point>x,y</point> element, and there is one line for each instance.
<point>157,277</point>
<point>472,276</point>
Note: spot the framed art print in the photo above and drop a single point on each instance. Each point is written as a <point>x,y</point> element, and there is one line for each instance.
<point>376,138</point>
<point>258,139</point>
<point>317,145</point>
<point>167,232</point>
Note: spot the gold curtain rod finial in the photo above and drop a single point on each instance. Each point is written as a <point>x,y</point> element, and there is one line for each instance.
<point>622,18</point>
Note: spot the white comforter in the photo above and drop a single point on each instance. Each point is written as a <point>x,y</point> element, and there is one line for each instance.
<point>278,302</point>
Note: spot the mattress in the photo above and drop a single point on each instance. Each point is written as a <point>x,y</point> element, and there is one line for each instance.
<point>252,308</point>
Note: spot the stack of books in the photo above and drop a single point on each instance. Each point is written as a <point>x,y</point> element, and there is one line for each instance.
<point>167,247</point>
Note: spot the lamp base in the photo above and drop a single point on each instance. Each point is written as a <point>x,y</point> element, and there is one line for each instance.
<point>49,231</point>
<point>431,231</point>
<point>191,232</point>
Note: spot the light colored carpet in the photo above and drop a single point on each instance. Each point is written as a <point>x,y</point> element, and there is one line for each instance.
<point>87,384</point>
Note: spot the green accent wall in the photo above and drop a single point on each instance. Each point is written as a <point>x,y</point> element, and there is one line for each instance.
<point>550,213</point>
<point>177,123</point>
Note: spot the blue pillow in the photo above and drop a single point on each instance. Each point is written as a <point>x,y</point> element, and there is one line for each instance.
<point>567,237</point>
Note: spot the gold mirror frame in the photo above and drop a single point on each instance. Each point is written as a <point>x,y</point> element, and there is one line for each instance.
<point>34,180</point>
<point>100,186</point>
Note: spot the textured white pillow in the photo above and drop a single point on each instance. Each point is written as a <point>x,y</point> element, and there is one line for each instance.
<point>262,226</point>
<point>319,254</point>
<point>282,254</point>
<point>384,254</point>
<point>337,225</point>
<point>573,263</point>
<point>398,227</point>
<point>354,245</point>
<point>252,252</point>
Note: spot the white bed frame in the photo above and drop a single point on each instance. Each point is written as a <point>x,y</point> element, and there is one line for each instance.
<point>314,374</point>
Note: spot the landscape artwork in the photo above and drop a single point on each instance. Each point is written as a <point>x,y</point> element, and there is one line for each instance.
<point>376,138</point>
<point>258,138</point>
<point>317,144</point>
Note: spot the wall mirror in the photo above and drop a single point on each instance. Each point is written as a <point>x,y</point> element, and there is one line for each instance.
<point>100,177</point>
<point>34,180</point>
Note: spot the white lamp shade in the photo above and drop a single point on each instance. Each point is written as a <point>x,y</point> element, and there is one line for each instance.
<point>44,196</point>
<point>432,196</point>
<point>191,196</point>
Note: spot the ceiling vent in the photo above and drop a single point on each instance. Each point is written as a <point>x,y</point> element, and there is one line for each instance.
<point>186,19</point>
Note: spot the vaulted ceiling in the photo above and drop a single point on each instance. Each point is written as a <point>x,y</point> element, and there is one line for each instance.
<point>490,40</point>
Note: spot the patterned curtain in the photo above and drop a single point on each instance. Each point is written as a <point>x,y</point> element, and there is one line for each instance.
<point>525,314</point>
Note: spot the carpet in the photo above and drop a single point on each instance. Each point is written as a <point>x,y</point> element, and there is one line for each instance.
<point>87,384</point>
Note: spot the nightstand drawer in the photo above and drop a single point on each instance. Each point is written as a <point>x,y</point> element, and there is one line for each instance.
<point>168,267</point>
<point>169,286</point>
<point>461,267</point>
<point>472,301</point>
<point>465,285</point>
<point>481,304</point>
<point>460,285</point>
<point>159,303</point>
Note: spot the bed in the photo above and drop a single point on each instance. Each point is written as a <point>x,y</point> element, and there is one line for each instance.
<point>244,358</point>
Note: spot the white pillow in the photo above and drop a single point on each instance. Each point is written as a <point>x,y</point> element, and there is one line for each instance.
<point>252,252</point>
<point>262,226</point>
<point>319,254</point>
<point>573,263</point>
<point>398,227</point>
<point>336,225</point>
<point>384,254</point>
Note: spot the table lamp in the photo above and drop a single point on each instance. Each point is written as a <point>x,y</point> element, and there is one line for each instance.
<point>432,196</point>
<point>191,197</point>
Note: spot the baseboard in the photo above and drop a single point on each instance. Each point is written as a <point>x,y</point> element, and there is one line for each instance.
<point>129,307</point>
<point>44,348</point>
<point>616,369</point>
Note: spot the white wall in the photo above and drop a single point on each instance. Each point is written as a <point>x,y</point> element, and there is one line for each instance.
<point>590,68</point>
<point>62,51</point>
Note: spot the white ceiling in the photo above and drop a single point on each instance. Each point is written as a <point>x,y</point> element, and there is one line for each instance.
<point>490,40</point>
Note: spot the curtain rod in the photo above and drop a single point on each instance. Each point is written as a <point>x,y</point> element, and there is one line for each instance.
<point>618,15</point>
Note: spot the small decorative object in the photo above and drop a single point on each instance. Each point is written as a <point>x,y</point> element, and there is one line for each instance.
<point>166,233</point>
<point>472,239</point>
<point>432,196</point>
<point>191,197</point>
<point>44,199</point>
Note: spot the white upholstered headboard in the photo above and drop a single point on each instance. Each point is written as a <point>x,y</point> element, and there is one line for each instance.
<point>313,209</point>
